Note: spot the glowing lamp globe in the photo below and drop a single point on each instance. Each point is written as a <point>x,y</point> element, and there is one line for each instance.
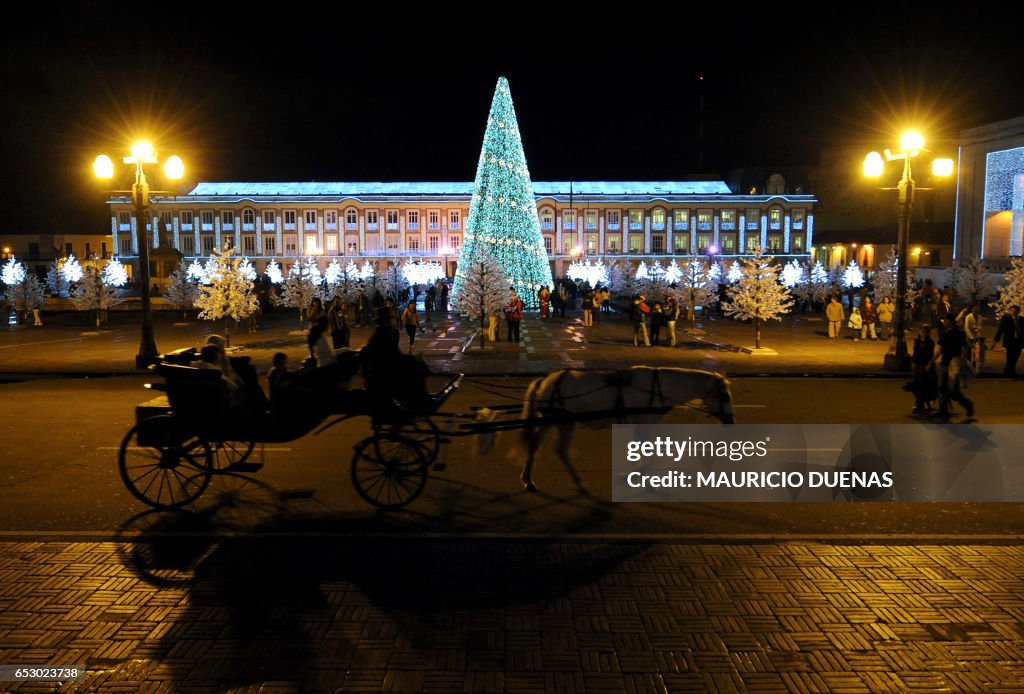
<point>174,168</point>
<point>142,150</point>
<point>911,141</point>
<point>942,167</point>
<point>103,167</point>
<point>873,165</point>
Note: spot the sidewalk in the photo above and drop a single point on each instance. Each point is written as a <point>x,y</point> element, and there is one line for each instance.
<point>798,346</point>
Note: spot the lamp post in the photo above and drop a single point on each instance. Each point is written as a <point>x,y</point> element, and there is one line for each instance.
<point>911,145</point>
<point>103,167</point>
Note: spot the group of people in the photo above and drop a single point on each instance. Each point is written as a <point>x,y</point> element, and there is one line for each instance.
<point>592,300</point>
<point>657,318</point>
<point>866,321</point>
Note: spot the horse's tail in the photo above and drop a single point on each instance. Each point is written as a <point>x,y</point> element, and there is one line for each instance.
<point>726,414</point>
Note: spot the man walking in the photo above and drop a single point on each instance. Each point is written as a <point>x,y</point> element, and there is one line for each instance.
<point>638,315</point>
<point>952,346</point>
<point>1011,331</point>
<point>514,316</point>
<point>835,314</point>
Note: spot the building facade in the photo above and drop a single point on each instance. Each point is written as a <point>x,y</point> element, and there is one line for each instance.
<point>381,222</point>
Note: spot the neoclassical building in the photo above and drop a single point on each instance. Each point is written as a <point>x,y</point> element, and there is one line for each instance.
<point>382,222</point>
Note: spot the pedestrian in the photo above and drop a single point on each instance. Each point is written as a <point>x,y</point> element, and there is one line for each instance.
<point>952,365</point>
<point>1011,331</point>
<point>514,316</point>
<point>924,385</point>
<point>606,300</point>
<point>671,316</point>
<point>835,314</point>
<point>320,351</point>
<point>657,323</point>
<point>638,315</point>
<point>885,312</point>
<point>493,327</point>
<point>544,297</point>
<point>337,320</point>
<point>588,307</point>
<point>943,307</point>
<point>362,308</point>
<point>393,316</point>
<point>411,321</point>
<point>444,296</point>
<point>428,299</point>
<point>315,311</point>
<point>869,316</point>
<point>973,325</point>
<point>856,323</point>
<point>558,301</point>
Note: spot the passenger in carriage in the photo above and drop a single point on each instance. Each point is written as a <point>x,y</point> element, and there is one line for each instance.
<point>390,375</point>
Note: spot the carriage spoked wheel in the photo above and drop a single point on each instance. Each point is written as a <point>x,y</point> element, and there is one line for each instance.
<point>225,455</point>
<point>161,466</point>
<point>423,431</point>
<point>389,470</point>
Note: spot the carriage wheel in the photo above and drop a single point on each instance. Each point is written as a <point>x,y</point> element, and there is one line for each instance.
<point>162,468</point>
<point>423,431</point>
<point>224,455</point>
<point>388,470</point>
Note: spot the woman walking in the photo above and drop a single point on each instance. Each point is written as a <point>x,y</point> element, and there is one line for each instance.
<point>411,321</point>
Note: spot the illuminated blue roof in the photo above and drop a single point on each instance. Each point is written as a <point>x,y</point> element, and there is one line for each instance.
<point>540,188</point>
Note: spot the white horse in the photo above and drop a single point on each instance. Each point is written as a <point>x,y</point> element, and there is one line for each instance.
<point>637,394</point>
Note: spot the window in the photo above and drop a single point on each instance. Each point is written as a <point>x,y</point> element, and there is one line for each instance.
<point>433,242</point>
<point>290,244</point>
<point>680,219</point>
<point>703,220</point>
<point>331,243</point>
<point>728,218</point>
<point>703,242</point>
<point>547,220</point>
<point>311,219</point>
<point>796,243</point>
<point>125,220</point>
<point>269,245</point>
<point>248,218</point>
<point>126,247</point>
<point>636,243</point>
<point>434,219</point>
<point>775,242</point>
<point>68,249</point>
<point>392,242</point>
<point>392,217</point>
<point>798,219</point>
<point>414,243</point>
<point>352,247</point>
<point>549,243</point>
<point>167,220</point>
<point>207,221</point>
<point>728,242</point>
<point>753,242</point>
<point>591,219</point>
<point>249,245</point>
<point>412,219</point>
<point>681,243</point>
<point>568,241</point>
<point>658,219</point>
<point>312,245</point>
<point>612,243</point>
<point>188,244</point>
<point>289,219</point>
<point>592,244</point>
<point>207,244</point>
<point>268,219</point>
<point>331,219</point>
<point>636,219</point>
<point>775,218</point>
<point>227,219</point>
<point>612,219</point>
<point>658,244</point>
<point>569,219</point>
<point>103,250</point>
<point>371,219</point>
<point>454,241</point>
<point>453,218</point>
<point>753,219</point>
<point>351,218</point>
<point>186,219</point>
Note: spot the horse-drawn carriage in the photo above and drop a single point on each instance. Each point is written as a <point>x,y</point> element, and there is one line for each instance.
<point>183,438</point>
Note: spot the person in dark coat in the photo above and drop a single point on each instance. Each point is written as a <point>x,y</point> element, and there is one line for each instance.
<point>1011,332</point>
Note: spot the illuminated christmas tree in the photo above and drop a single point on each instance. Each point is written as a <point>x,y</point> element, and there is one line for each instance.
<point>229,292</point>
<point>503,219</point>
<point>758,296</point>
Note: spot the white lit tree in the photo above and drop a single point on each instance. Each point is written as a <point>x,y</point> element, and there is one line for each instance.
<point>22,289</point>
<point>654,283</point>
<point>835,279</point>
<point>273,272</point>
<point>196,272</point>
<point>694,288</point>
<point>885,279</point>
<point>793,274</point>
<point>56,281</point>
<point>483,290</point>
<point>301,286</point>
<point>852,279</point>
<point>972,281</point>
<point>114,273</point>
<point>815,285</point>
<point>92,293</point>
<point>230,292</point>
<point>182,291</point>
<point>758,296</point>
<point>503,221</point>
<point>342,280</point>
<point>1012,291</point>
<point>394,284</point>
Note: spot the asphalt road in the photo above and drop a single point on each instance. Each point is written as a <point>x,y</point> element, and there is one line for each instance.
<point>58,472</point>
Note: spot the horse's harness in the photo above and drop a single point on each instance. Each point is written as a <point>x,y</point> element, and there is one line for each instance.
<point>620,380</point>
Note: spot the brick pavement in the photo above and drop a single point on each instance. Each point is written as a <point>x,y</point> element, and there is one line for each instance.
<point>429,615</point>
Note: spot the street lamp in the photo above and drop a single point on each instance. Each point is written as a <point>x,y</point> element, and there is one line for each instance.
<point>911,145</point>
<point>103,167</point>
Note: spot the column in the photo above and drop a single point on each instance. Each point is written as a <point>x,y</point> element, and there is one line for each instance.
<point>764,231</point>
<point>647,232</point>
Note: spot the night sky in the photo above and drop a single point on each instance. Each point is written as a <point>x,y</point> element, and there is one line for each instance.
<point>402,93</point>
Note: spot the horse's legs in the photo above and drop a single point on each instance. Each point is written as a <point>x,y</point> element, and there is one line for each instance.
<point>532,436</point>
<point>565,432</point>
